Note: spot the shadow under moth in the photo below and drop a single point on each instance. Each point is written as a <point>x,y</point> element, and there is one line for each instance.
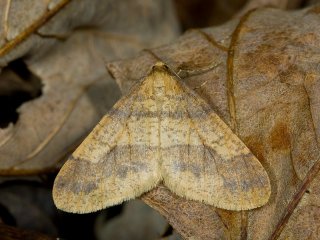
<point>162,131</point>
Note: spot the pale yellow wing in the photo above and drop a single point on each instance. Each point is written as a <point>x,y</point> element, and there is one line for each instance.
<point>161,130</point>
<point>116,162</point>
<point>204,160</point>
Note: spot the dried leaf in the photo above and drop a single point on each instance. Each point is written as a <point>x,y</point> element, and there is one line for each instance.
<point>260,74</point>
<point>203,13</point>
<point>69,61</point>
<point>29,205</point>
<point>135,215</point>
<point>282,4</point>
<point>13,233</point>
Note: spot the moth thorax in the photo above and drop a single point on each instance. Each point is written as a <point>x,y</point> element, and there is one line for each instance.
<point>159,87</point>
<point>163,84</point>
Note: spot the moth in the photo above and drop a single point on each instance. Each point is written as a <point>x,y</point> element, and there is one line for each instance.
<point>162,131</point>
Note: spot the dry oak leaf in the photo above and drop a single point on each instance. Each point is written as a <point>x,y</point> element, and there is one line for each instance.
<point>135,215</point>
<point>65,44</point>
<point>261,75</point>
<point>29,206</point>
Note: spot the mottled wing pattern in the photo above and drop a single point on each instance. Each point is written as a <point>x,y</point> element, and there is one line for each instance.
<point>206,161</point>
<point>116,162</point>
<point>161,131</point>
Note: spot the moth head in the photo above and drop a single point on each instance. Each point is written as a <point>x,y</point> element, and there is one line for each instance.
<point>160,66</point>
<point>161,81</point>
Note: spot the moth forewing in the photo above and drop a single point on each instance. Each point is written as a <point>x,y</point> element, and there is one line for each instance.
<point>161,131</point>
